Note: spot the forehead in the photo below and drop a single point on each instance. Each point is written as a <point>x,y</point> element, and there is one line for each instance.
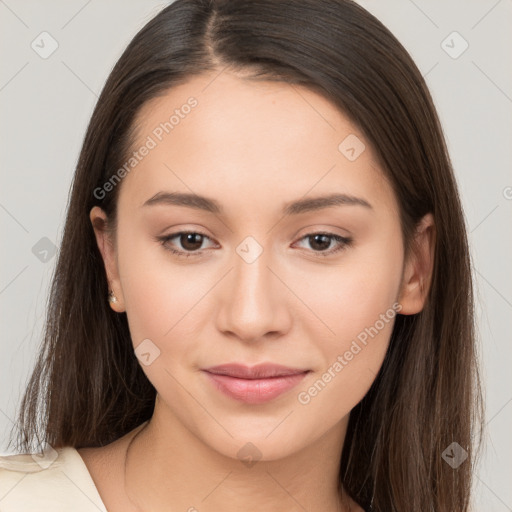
<point>243,141</point>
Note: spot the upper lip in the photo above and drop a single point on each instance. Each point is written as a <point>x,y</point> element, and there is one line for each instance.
<point>259,371</point>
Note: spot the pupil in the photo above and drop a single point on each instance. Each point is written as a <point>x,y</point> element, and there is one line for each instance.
<point>323,245</point>
<point>192,241</point>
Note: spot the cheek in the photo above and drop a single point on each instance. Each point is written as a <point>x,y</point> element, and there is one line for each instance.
<point>352,295</point>
<point>159,294</point>
<point>357,301</point>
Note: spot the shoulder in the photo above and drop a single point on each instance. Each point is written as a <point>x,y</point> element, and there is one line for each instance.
<point>55,480</point>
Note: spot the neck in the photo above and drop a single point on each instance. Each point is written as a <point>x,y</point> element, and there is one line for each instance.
<point>166,465</point>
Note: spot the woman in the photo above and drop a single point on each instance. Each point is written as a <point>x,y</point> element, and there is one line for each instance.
<point>265,195</point>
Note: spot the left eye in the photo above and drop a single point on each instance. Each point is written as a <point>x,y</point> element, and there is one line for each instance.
<point>322,242</point>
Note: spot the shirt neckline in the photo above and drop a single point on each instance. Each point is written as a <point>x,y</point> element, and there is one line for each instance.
<point>81,470</point>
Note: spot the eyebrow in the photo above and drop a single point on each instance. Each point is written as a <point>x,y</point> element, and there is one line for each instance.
<point>292,208</point>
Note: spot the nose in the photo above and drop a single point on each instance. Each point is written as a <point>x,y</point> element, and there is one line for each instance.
<point>252,304</point>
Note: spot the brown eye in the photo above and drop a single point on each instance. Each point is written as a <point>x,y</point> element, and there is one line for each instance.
<point>184,243</point>
<point>191,241</point>
<point>322,243</point>
<point>319,242</point>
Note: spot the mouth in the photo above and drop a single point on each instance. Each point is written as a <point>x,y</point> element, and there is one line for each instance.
<point>254,385</point>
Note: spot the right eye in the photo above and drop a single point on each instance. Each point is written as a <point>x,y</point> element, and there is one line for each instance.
<point>190,242</point>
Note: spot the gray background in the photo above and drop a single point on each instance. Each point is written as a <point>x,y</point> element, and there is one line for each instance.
<point>46,104</point>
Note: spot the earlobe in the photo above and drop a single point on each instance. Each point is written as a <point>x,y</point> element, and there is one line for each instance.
<point>108,253</point>
<point>418,269</point>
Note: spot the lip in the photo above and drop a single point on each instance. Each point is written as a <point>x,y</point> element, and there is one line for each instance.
<point>259,371</point>
<point>257,384</point>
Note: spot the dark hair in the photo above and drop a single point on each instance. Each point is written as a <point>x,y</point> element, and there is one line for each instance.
<point>88,388</point>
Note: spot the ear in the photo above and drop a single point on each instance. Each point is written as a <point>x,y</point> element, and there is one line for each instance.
<point>109,254</point>
<point>417,274</point>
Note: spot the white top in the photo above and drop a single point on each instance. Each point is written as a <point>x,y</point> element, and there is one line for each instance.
<point>54,481</point>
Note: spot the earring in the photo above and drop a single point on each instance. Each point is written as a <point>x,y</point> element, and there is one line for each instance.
<point>111,297</point>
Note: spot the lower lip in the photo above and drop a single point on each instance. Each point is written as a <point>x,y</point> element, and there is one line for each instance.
<point>255,391</point>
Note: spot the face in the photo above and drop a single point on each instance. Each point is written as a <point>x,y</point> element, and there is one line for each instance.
<point>256,272</point>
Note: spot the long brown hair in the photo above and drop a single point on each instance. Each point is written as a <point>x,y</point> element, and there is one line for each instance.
<point>88,389</point>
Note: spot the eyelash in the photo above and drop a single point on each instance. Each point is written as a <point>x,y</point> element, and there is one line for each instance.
<point>344,242</point>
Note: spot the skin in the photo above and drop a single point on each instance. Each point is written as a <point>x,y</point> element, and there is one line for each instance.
<point>253,147</point>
